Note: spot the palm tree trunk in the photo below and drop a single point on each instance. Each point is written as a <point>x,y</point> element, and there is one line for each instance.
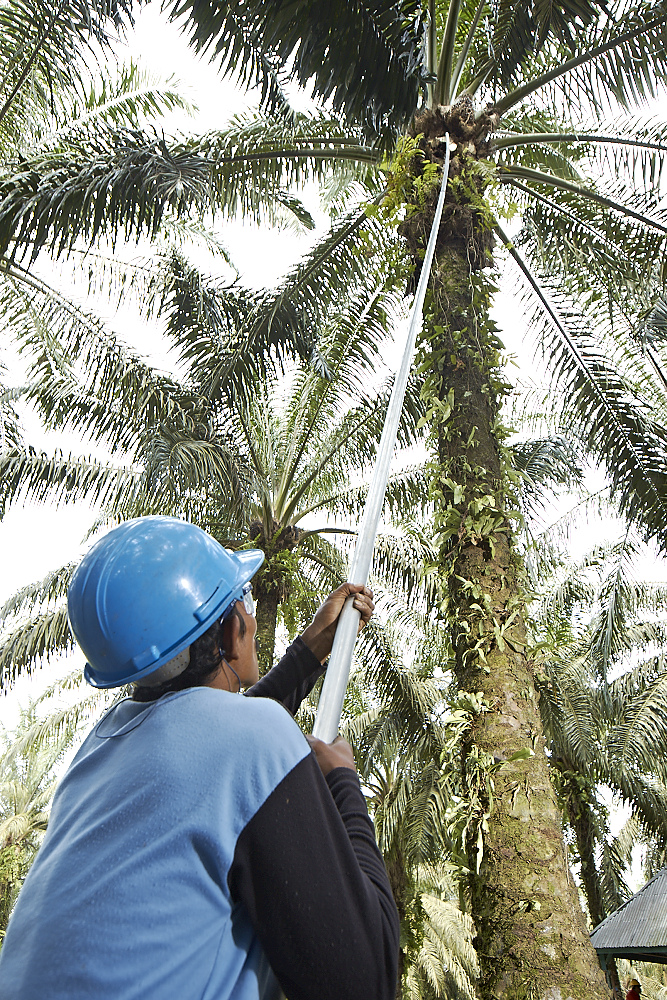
<point>531,936</point>
<point>400,886</point>
<point>581,821</point>
<point>267,621</point>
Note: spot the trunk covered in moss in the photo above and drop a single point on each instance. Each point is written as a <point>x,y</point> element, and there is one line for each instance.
<point>531,938</point>
<point>266,616</point>
<point>272,584</point>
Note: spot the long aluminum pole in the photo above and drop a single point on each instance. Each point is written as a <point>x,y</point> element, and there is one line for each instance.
<point>335,681</point>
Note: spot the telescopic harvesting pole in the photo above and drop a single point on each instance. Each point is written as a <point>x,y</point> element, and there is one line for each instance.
<point>335,681</point>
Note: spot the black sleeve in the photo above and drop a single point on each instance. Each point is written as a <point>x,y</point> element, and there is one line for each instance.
<point>291,679</point>
<point>310,874</point>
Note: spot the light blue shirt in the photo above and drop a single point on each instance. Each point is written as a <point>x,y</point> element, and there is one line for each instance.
<point>128,897</point>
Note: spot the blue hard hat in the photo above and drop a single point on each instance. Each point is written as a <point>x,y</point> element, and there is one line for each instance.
<point>147,590</point>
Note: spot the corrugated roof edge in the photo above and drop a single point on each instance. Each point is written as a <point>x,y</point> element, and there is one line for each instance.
<point>604,936</point>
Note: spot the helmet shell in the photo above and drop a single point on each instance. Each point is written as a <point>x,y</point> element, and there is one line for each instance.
<point>148,589</point>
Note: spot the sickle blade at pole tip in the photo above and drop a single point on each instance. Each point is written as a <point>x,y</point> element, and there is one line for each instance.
<point>335,681</point>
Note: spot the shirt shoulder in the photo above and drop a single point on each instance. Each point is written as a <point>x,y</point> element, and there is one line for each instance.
<point>240,747</point>
<point>219,715</point>
<point>207,759</point>
<point>263,720</point>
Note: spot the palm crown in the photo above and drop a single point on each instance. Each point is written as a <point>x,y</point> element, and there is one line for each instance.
<point>530,111</point>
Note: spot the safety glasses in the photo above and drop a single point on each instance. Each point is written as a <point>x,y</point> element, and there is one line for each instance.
<point>248,599</point>
<point>245,598</point>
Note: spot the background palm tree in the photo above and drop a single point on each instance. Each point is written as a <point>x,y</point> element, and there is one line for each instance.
<point>604,714</point>
<point>254,454</point>
<point>30,758</point>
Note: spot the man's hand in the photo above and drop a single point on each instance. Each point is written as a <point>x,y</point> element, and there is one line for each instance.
<point>332,755</point>
<point>320,633</point>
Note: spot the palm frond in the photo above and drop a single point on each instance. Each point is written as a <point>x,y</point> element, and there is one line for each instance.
<point>399,561</point>
<point>85,378</point>
<point>121,179</point>
<point>614,862</point>
<point>646,220</point>
<point>51,589</point>
<point>627,144</point>
<point>228,341</point>
<point>598,65</point>
<point>11,434</point>
<point>608,630</point>
<point>407,493</point>
<point>32,643</point>
<point>28,473</point>
<point>40,50</point>
<point>124,98</point>
<point>366,60</point>
<point>604,408</point>
<point>545,463</point>
<point>597,254</point>
<point>272,153</point>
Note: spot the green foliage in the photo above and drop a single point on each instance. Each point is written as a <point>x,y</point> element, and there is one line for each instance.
<point>470,800</point>
<point>29,759</point>
<point>59,111</point>
<point>15,862</point>
<point>410,180</point>
<point>594,622</point>
<point>382,53</point>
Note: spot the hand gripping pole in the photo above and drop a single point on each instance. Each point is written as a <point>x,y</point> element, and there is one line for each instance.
<point>335,681</point>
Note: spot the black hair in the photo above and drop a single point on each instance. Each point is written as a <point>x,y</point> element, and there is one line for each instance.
<point>206,654</point>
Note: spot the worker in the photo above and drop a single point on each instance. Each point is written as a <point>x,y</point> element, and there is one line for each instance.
<point>634,990</point>
<point>197,848</point>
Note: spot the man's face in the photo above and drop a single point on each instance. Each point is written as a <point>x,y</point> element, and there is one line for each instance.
<point>239,667</point>
<point>246,665</point>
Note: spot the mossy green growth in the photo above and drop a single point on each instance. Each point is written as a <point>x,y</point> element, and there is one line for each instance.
<point>411,180</point>
<point>473,482</point>
<point>528,941</point>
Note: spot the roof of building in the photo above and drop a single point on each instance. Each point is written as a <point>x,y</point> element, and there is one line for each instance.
<point>638,929</point>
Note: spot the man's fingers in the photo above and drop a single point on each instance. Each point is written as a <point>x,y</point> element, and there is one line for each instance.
<point>363,602</point>
<point>332,755</point>
<point>354,588</point>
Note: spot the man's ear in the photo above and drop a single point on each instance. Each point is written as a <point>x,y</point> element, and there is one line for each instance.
<point>231,628</point>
